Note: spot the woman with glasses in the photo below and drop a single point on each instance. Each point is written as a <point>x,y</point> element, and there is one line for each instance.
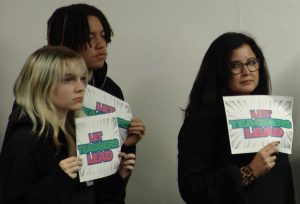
<point>207,171</point>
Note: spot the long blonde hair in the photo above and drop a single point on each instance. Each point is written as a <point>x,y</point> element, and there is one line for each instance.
<point>45,67</point>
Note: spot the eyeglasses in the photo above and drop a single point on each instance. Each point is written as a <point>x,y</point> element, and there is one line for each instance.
<point>237,67</point>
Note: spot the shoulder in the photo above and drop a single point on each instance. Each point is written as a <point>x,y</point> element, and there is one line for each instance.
<point>22,140</point>
<point>113,88</point>
<point>201,124</point>
<point>19,138</point>
<point>195,122</point>
<point>19,127</point>
<point>200,116</point>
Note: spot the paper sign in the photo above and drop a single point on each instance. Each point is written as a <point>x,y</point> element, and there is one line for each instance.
<point>255,121</point>
<point>98,102</point>
<point>98,144</point>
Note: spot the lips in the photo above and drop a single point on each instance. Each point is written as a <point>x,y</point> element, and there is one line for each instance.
<point>78,99</point>
<point>101,55</point>
<point>246,81</point>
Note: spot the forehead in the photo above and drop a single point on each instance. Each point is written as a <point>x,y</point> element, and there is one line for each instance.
<point>242,53</point>
<point>74,66</point>
<point>94,24</point>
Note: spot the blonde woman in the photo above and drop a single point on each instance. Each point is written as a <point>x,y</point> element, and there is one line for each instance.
<point>38,163</point>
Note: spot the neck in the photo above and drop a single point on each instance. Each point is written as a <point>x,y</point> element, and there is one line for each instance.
<point>61,117</point>
<point>90,75</point>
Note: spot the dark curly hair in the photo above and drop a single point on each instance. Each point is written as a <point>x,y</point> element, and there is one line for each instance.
<point>68,26</point>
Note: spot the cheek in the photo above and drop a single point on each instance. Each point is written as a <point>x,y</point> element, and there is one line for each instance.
<point>256,76</point>
<point>52,93</point>
<point>59,93</point>
<point>85,53</point>
<point>256,80</point>
<point>63,92</point>
<point>232,84</point>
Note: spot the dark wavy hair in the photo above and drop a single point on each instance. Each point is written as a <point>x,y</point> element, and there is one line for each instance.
<point>211,82</point>
<point>68,26</point>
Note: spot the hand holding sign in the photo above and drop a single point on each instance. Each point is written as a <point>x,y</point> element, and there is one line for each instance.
<point>127,164</point>
<point>265,159</point>
<point>136,132</point>
<point>71,166</point>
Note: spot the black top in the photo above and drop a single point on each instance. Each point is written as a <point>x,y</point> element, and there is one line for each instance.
<point>30,172</point>
<point>103,82</point>
<point>110,189</point>
<point>209,173</point>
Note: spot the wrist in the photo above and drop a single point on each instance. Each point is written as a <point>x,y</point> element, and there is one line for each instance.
<point>247,175</point>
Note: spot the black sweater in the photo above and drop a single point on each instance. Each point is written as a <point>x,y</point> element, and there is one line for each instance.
<point>103,82</point>
<point>30,172</point>
<point>108,190</point>
<point>208,172</point>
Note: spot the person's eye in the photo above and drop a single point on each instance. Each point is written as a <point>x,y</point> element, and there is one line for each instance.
<point>235,65</point>
<point>83,79</point>
<point>252,62</point>
<point>68,79</point>
<point>91,37</point>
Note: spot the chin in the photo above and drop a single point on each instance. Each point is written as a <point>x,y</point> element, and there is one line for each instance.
<point>243,91</point>
<point>95,68</point>
<point>76,108</point>
<point>247,92</point>
<point>97,65</point>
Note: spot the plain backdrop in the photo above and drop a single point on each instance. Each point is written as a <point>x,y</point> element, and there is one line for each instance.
<point>154,56</point>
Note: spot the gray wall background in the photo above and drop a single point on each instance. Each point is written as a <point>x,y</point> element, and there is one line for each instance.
<point>154,56</point>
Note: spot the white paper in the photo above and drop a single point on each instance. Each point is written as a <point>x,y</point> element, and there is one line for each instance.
<point>255,121</point>
<point>98,144</point>
<point>98,102</point>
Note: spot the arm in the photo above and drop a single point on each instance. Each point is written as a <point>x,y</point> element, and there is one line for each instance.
<point>136,131</point>
<point>23,178</point>
<point>263,162</point>
<point>21,182</point>
<point>289,188</point>
<point>111,189</point>
<point>200,179</point>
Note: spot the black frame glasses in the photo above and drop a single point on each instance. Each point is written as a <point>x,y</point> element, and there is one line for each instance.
<point>236,67</point>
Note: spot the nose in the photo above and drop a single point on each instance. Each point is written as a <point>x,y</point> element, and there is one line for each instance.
<point>80,86</point>
<point>245,70</point>
<point>100,41</point>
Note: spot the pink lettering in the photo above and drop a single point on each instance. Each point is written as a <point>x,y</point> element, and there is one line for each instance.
<point>261,113</point>
<point>103,108</point>
<point>95,136</point>
<point>263,132</point>
<point>99,157</point>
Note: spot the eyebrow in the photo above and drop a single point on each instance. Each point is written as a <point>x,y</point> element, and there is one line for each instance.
<point>95,32</point>
<point>237,61</point>
<point>69,74</point>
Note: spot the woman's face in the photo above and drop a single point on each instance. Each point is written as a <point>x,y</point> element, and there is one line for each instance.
<point>68,95</point>
<point>243,60</point>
